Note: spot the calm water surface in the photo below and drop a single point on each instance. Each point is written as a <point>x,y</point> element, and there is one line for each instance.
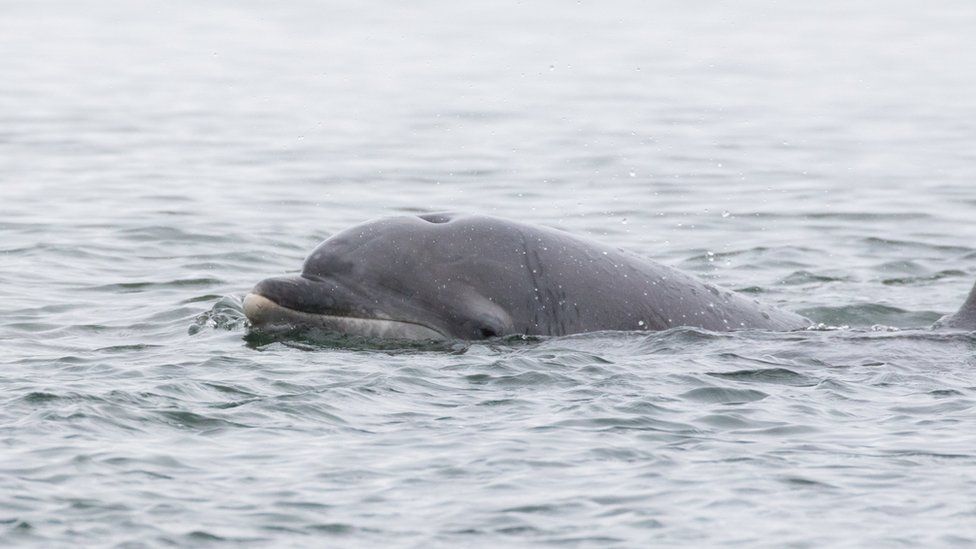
<point>159,158</point>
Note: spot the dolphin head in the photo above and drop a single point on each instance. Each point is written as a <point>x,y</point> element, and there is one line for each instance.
<point>413,277</point>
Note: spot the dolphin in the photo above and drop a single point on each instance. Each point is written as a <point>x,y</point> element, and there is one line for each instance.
<point>963,319</point>
<point>462,276</point>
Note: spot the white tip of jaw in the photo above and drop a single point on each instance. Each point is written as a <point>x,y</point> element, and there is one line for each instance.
<point>259,309</point>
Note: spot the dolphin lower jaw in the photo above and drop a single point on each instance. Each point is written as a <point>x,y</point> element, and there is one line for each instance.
<point>265,313</point>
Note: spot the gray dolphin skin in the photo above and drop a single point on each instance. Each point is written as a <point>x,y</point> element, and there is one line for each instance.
<point>452,276</point>
<point>963,319</point>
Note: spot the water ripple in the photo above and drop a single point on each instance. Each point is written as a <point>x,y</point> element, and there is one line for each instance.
<point>156,163</point>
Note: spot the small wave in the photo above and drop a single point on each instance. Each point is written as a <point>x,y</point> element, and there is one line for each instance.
<point>524,379</point>
<point>40,397</point>
<point>754,290</point>
<point>915,280</point>
<point>136,287</point>
<point>862,216</point>
<point>332,528</point>
<point>778,376</point>
<point>726,421</point>
<point>162,233</point>
<point>888,243</point>
<point>806,277</point>
<point>905,266</point>
<point>723,395</point>
<point>185,419</point>
<point>806,482</point>
<point>869,314</point>
<point>680,339</point>
<point>134,347</point>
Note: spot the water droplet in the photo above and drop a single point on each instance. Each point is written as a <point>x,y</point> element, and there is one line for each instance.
<point>726,214</point>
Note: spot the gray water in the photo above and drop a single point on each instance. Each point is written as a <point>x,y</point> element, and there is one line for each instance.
<point>159,158</point>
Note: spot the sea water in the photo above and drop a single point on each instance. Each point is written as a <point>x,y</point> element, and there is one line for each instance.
<point>157,159</point>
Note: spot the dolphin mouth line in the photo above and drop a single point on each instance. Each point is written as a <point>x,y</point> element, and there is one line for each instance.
<point>262,311</point>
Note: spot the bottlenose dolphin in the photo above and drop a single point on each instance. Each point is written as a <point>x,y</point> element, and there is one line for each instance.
<point>445,275</point>
<point>963,319</point>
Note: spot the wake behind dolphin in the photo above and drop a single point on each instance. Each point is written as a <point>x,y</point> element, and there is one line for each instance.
<point>443,276</point>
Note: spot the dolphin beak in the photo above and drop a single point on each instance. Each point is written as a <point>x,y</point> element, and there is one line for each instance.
<point>299,302</point>
<point>261,310</point>
<point>269,300</point>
